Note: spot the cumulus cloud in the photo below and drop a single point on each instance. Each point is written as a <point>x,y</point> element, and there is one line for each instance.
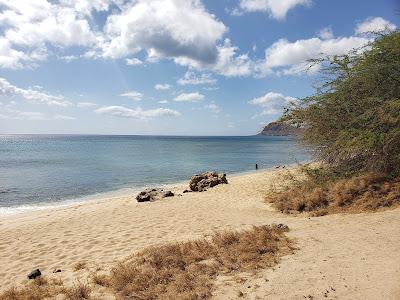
<point>29,26</point>
<point>377,24</point>
<point>163,101</point>
<point>192,78</point>
<point>213,107</point>
<point>162,87</point>
<point>289,58</point>
<point>326,33</point>
<point>277,9</point>
<point>87,6</point>
<point>232,64</point>
<point>31,95</point>
<point>133,61</point>
<point>161,28</point>
<point>136,113</point>
<point>229,62</point>
<point>272,103</point>
<point>9,57</point>
<point>134,95</point>
<point>189,97</point>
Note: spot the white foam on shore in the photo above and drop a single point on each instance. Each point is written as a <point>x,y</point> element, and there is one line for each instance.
<point>124,192</point>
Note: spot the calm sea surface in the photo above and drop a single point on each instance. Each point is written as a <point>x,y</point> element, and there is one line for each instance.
<point>50,169</point>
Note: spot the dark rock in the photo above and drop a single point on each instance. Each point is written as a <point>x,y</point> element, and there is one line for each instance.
<point>34,274</point>
<point>187,191</point>
<point>56,270</point>
<point>201,182</point>
<point>167,194</point>
<point>153,194</point>
<point>283,227</point>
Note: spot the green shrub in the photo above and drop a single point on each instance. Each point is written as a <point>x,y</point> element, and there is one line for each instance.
<point>353,120</point>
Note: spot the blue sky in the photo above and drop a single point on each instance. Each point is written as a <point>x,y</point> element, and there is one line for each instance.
<point>178,67</point>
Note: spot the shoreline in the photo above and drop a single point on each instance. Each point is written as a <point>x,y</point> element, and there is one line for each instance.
<point>335,251</point>
<point>109,195</point>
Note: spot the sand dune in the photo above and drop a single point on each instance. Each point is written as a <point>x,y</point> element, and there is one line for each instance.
<point>340,256</point>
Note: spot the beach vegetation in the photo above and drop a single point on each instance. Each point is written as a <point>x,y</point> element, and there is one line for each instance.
<point>353,119</point>
<point>353,124</point>
<point>323,195</point>
<point>188,270</point>
<point>179,270</point>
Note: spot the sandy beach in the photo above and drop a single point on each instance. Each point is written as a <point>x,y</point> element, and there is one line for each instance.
<point>342,256</point>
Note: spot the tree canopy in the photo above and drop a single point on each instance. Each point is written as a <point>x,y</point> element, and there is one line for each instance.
<point>353,119</point>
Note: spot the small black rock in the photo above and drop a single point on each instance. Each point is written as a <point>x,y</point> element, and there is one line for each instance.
<point>56,270</point>
<point>34,274</point>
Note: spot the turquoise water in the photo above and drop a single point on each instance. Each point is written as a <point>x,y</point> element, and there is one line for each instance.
<point>49,169</point>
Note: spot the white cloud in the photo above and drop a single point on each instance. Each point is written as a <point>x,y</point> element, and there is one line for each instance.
<point>230,63</point>
<point>272,103</point>
<point>30,26</point>
<point>275,8</point>
<point>86,104</point>
<point>133,61</point>
<point>192,78</point>
<point>162,87</point>
<point>137,113</point>
<point>163,101</point>
<point>31,95</point>
<point>189,97</point>
<point>213,107</point>
<point>376,24</point>
<point>87,6</point>
<point>134,95</point>
<point>36,22</point>
<point>326,33</point>
<point>9,57</point>
<point>290,58</point>
<point>161,28</point>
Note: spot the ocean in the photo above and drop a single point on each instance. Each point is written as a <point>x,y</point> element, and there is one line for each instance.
<point>38,171</point>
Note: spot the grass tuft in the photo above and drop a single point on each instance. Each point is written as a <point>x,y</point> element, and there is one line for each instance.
<point>79,266</point>
<point>177,270</point>
<point>318,197</point>
<point>187,270</point>
<point>78,291</point>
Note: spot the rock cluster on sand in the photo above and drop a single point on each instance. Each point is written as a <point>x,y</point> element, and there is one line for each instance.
<point>153,194</point>
<point>201,182</point>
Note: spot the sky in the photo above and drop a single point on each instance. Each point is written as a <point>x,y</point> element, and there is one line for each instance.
<point>169,67</point>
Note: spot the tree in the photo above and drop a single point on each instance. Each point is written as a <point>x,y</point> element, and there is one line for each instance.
<point>353,120</point>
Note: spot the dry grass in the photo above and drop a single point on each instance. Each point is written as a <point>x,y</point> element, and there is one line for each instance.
<point>174,271</point>
<point>41,288</point>
<point>368,192</point>
<point>79,266</point>
<point>37,289</point>
<point>187,270</point>
<point>78,291</point>
<point>99,279</point>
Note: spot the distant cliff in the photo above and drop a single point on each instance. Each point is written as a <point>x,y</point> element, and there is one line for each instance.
<point>280,129</point>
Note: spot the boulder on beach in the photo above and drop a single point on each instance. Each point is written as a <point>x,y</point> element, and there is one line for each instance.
<point>35,273</point>
<point>202,182</point>
<point>153,194</point>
